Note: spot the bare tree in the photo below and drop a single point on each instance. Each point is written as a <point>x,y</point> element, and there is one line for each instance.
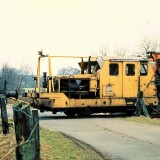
<point>23,76</point>
<point>148,44</point>
<point>9,74</point>
<point>104,50</point>
<point>120,51</point>
<point>16,78</point>
<point>68,71</point>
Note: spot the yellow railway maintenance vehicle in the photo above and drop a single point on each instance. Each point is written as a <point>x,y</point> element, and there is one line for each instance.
<point>104,84</point>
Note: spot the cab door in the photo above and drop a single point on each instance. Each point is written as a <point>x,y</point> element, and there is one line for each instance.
<point>130,79</point>
<point>115,79</point>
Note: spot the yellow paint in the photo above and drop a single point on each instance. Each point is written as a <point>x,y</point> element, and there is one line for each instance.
<point>113,85</point>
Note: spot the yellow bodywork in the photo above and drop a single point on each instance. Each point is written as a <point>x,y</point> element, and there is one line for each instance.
<point>110,86</point>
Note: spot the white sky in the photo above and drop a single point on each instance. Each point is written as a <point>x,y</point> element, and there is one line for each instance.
<point>73,27</point>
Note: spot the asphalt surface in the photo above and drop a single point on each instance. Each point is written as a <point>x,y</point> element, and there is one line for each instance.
<point>114,138</point>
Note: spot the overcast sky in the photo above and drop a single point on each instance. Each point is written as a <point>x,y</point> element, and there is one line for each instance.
<point>73,27</point>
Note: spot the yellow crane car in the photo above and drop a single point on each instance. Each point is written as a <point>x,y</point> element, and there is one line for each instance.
<point>104,84</point>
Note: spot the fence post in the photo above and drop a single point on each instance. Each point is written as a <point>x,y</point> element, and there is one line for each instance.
<point>17,116</point>
<point>26,151</point>
<point>27,132</point>
<point>27,122</point>
<point>23,122</point>
<point>36,133</point>
<point>4,116</point>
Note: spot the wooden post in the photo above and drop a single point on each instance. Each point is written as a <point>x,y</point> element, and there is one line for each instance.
<point>4,116</point>
<point>27,122</point>
<point>17,116</point>
<point>23,122</point>
<point>27,132</point>
<point>26,151</point>
<point>36,133</point>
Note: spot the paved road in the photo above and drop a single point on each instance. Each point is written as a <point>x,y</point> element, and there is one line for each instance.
<point>117,138</point>
<point>113,137</point>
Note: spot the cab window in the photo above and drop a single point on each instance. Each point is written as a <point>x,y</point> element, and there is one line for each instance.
<point>130,69</point>
<point>113,69</point>
<point>143,69</point>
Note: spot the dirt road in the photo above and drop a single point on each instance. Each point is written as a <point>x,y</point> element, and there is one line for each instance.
<point>117,139</point>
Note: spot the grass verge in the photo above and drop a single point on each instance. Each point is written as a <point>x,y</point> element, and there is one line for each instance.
<point>7,145</point>
<point>142,119</point>
<point>55,145</point>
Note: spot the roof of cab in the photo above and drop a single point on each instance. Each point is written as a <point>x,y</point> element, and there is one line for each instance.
<point>123,58</point>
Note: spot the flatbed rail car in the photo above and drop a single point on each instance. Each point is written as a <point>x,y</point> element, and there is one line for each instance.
<point>104,84</point>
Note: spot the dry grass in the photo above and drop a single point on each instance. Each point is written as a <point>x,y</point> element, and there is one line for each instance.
<point>53,145</point>
<point>7,145</point>
<point>142,119</point>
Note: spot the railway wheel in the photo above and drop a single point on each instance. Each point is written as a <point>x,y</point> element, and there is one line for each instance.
<point>130,112</point>
<point>70,112</point>
<point>83,114</point>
